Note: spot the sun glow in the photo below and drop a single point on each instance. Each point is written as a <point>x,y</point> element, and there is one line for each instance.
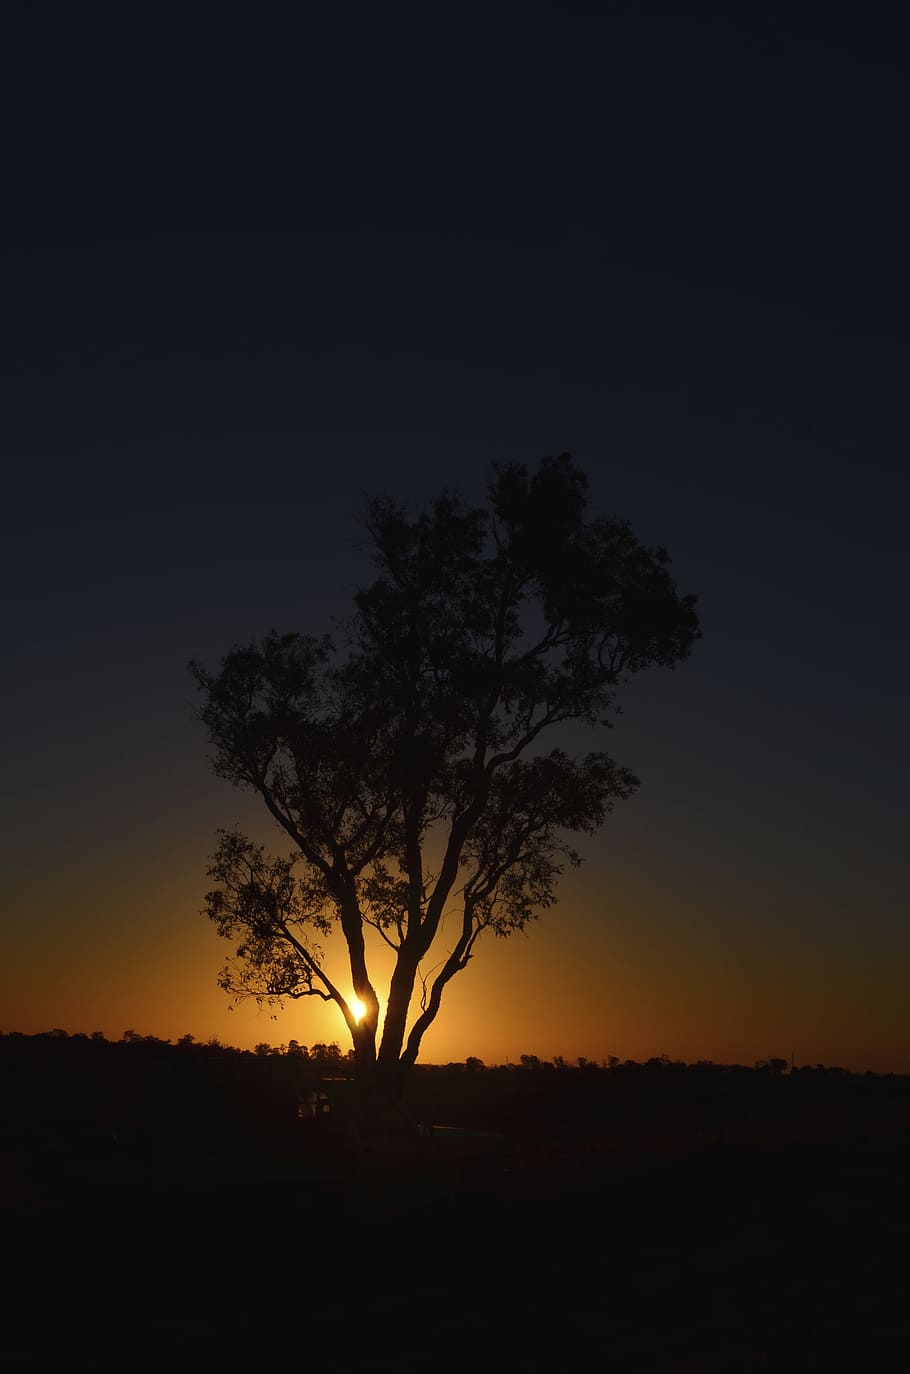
<point>357,1008</point>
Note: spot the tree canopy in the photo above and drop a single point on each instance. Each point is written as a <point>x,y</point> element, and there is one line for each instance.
<point>404,757</point>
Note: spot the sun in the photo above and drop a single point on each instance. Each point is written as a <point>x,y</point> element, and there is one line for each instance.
<point>357,1008</point>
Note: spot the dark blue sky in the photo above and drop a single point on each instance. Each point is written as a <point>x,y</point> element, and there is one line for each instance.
<point>254,276</point>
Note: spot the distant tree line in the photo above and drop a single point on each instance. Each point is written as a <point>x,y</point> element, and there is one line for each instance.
<point>141,1098</point>
<point>329,1059</point>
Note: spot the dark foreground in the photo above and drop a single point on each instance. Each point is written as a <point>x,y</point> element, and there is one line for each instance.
<point>655,1225</point>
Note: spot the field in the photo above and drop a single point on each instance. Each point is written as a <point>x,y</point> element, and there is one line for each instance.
<point>168,1205</point>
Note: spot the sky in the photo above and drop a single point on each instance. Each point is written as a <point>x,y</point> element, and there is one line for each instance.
<point>255,276</point>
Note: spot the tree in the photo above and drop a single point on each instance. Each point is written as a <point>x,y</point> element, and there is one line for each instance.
<point>406,763</point>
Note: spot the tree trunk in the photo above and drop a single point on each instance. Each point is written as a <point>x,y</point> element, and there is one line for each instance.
<point>401,990</point>
<point>364,1048</point>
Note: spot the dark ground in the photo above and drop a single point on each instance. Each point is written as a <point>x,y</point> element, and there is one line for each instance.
<point>166,1211</point>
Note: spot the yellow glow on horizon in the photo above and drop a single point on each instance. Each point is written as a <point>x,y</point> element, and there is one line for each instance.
<point>357,1007</point>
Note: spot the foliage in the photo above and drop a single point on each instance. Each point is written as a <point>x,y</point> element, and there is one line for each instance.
<point>404,760</point>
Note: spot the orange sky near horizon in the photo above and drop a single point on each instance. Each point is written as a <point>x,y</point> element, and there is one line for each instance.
<point>626,966</point>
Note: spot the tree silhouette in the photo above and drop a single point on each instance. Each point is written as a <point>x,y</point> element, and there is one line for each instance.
<point>405,762</point>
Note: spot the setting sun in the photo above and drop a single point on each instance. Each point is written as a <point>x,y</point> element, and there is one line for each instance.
<point>357,1007</point>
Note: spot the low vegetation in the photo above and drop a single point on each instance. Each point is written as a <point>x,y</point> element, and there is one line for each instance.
<point>675,1216</point>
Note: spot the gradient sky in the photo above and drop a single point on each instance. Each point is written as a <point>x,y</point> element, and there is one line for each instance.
<point>253,277</point>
